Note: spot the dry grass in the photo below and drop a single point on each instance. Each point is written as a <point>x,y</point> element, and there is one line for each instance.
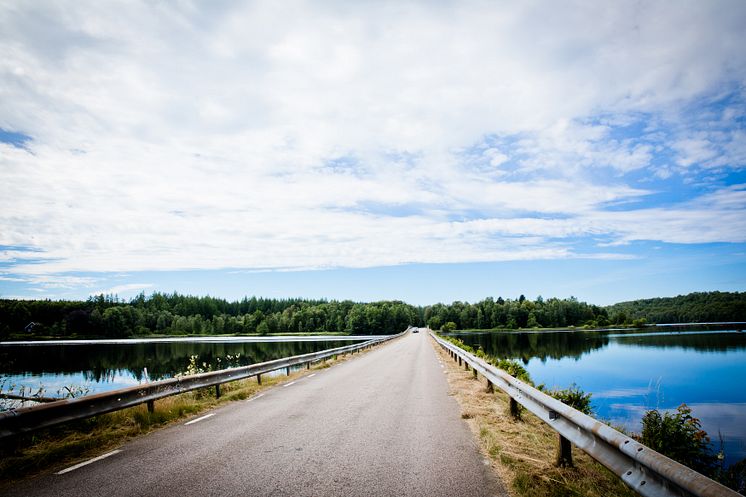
<point>62,446</point>
<point>523,451</point>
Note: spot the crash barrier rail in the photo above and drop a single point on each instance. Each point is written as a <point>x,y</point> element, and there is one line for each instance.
<point>28,419</point>
<point>646,471</point>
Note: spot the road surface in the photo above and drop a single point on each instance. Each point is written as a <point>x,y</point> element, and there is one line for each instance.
<point>381,424</point>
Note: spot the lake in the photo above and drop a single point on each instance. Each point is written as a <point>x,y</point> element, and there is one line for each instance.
<point>100,365</point>
<point>631,372</point>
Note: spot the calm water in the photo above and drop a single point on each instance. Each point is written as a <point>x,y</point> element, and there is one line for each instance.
<point>629,373</point>
<point>107,365</point>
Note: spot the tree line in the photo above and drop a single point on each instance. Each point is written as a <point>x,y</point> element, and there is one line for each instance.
<point>699,307</point>
<point>176,314</point>
<point>512,314</point>
<point>540,313</point>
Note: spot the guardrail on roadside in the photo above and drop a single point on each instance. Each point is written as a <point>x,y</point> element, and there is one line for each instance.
<point>28,419</point>
<point>646,471</point>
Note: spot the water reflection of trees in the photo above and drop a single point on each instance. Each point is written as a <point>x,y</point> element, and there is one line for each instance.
<point>525,346</point>
<point>162,360</point>
<point>558,345</point>
<point>701,342</point>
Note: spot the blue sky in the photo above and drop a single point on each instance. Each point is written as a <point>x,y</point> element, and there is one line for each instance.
<point>420,151</point>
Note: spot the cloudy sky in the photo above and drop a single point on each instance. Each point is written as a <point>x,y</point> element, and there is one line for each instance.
<point>426,151</point>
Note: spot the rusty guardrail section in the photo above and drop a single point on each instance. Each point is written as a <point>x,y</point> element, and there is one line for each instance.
<point>646,471</point>
<point>28,419</point>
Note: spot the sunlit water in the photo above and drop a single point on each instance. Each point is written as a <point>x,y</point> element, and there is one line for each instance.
<point>97,366</point>
<point>629,373</point>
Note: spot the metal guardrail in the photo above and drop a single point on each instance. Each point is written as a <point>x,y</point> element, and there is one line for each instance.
<point>28,419</point>
<point>646,471</point>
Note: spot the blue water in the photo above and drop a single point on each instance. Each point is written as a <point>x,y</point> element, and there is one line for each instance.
<point>92,366</point>
<point>628,374</point>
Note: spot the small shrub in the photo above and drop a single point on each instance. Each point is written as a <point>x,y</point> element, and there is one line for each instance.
<point>679,436</point>
<point>513,368</point>
<point>575,397</point>
<point>448,327</point>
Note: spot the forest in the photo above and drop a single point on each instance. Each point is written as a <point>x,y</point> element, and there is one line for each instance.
<point>700,307</point>
<point>175,314</point>
<point>107,316</point>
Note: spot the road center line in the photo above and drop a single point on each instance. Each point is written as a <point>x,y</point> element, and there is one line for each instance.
<point>198,419</point>
<point>311,375</point>
<point>256,397</point>
<point>86,463</point>
<point>288,384</point>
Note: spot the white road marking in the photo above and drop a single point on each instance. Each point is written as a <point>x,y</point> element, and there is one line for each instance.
<point>288,384</point>
<point>198,419</point>
<point>255,397</point>
<point>311,375</point>
<point>86,463</point>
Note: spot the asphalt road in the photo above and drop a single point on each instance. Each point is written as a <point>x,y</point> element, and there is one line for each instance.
<point>381,424</point>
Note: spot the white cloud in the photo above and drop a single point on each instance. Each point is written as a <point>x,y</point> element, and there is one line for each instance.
<point>694,151</point>
<point>172,136</point>
<point>120,289</point>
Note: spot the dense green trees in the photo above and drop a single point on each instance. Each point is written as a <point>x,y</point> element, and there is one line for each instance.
<point>525,313</point>
<point>520,313</point>
<point>184,314</point>
<point>105,316</point>
<point>697,307</point>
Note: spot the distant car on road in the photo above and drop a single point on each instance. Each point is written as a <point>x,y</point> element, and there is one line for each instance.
<point>415,330</point>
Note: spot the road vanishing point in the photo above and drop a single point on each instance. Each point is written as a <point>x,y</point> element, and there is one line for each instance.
<point>381,424</point>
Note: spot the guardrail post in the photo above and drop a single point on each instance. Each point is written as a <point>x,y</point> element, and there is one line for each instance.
<point>308,365</point>
<point>466,366</point>
<point>151,406</point>
<point>459,360</point>
<point>287,371</point>
<point>515,411</point>
<point>490,387</point>
<point>564,453</point>
<point>217,391</point>
<point>475,373</point>
<point>259,379</point>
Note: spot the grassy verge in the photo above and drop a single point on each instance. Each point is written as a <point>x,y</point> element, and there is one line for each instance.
<point>62,446</point>
<point>522,452</point>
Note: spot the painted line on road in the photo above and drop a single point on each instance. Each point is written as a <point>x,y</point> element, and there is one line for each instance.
<point>198,419</point>
<point>288,384</point>
<point>255,397</point>
<point>311,375</point>
<point>86,463</point>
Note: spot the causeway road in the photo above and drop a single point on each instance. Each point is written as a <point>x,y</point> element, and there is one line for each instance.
<point>381,424</point>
